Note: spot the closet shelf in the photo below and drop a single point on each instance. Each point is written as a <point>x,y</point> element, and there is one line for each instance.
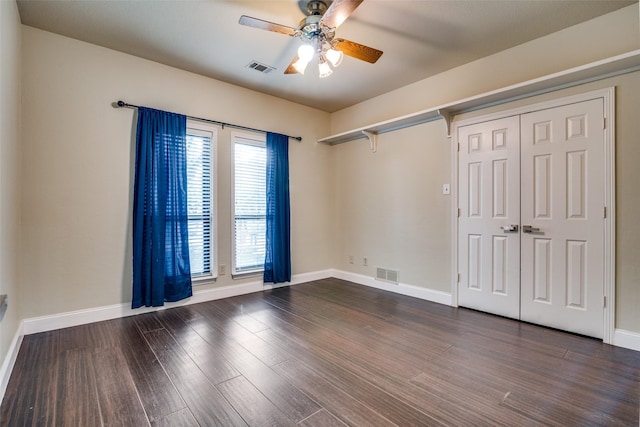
<point>610,67</point>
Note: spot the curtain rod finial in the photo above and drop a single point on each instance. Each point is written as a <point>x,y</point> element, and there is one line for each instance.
<point>121,104</point>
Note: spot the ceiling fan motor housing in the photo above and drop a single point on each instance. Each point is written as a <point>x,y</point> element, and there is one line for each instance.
<point>310,26</point>
<point>317,7</point>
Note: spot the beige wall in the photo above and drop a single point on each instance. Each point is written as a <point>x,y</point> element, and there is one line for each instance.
<point>390,205</point>
<point>77,168</point>
<point>10,40</point>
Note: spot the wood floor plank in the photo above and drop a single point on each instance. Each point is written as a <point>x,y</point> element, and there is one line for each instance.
<point>545,409</point>
<point>419,403</point>
<point>535,371</point>
<point>36,350</point>
<point>32,392</point>
<point>319,329</point>
<point>210,362</point>
<point>249,323</point>
<point>333,399</point>
<point>206,403</point>
<point>386,306</point>
<point>406,347</point>
<point>283,394</point>
<point>253,406</point>
<point>117,394</point>
<point>25,371</point>
<point>323,353</point>
<point>158,395</point>
<point>358,386</point>
<point>78,404</point>
<point>613,354</point>
<point>45,396</point>
<point>322,418</point>
<point>390,383</point>
<point>425,317</point>
<point>181,418</point>
<point>93,336</point>
<point>571,396</point>
<point>147,322</point>
<point>267,353</point>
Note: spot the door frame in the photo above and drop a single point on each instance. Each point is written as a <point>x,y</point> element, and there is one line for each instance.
<point>608,97</point>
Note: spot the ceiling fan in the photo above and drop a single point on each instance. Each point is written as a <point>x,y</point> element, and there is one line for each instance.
<point>317,31</point>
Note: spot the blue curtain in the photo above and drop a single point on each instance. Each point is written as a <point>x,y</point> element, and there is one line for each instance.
<point>277,262</point>
<point>161,270</point>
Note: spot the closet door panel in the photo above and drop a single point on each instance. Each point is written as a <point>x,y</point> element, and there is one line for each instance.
<point>562,242</point>
<point>489,185</point>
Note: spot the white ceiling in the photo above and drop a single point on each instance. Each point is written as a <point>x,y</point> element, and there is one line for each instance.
<point>419,38</point>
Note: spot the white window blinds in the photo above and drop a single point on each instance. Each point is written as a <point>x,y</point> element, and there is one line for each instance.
<point>250,157</point>
<point>200,199</point>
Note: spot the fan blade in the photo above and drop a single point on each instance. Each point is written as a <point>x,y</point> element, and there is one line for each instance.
<point>291,69</point>
<point>266,25</point>
<point>358,51</point>
<point>338,12</point>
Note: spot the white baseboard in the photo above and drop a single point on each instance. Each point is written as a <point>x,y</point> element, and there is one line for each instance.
<point>10,360</point>
<point>626,339</point>
<point>80,317</point>
<point>400,288</point>
<point>310,277</point>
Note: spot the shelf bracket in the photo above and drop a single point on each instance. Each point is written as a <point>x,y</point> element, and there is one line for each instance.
<point>373,140</point>
<point>446,115</point>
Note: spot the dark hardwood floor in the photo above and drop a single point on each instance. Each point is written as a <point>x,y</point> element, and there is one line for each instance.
<point>327,353</point>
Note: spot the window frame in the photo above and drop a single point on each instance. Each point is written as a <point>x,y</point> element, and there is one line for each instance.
<point>256,139</point>
<point>195,127</point>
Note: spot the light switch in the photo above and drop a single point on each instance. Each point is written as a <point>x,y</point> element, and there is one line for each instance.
<point>446,189</point>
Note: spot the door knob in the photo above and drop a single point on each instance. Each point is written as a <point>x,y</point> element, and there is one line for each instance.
<point>529,229</point>
<point>511,228</point>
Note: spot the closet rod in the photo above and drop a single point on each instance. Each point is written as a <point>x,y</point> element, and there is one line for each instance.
<point>123,104</point>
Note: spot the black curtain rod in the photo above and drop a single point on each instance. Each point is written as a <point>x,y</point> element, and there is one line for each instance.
<point>123,104</point>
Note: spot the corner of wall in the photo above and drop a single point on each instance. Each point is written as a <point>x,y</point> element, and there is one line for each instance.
<point>10,139</point>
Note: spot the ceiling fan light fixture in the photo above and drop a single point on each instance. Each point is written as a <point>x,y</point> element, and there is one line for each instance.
<point>305,52</point>
<point>324,69</point>
<point>334,56</point>
<point>317,32</point>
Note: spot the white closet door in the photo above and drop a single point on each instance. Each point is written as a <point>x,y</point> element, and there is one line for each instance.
<point>562,239</point>
<point>489,184</point>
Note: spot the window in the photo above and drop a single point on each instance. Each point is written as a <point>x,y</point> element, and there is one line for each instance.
<point>249,207</point>
<point>201,149</point>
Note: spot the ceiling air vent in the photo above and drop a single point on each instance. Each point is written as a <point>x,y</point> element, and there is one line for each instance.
<point>255,65</point>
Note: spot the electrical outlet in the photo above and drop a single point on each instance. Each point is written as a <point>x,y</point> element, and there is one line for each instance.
<point>222,270</point>
<point>350,259</point>
<point>365,261</point>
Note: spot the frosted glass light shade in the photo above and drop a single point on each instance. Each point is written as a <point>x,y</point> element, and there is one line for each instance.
<point>300,65</point>
<point>324,69</point>
<point>305,52</point>
<point>334,56</point>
